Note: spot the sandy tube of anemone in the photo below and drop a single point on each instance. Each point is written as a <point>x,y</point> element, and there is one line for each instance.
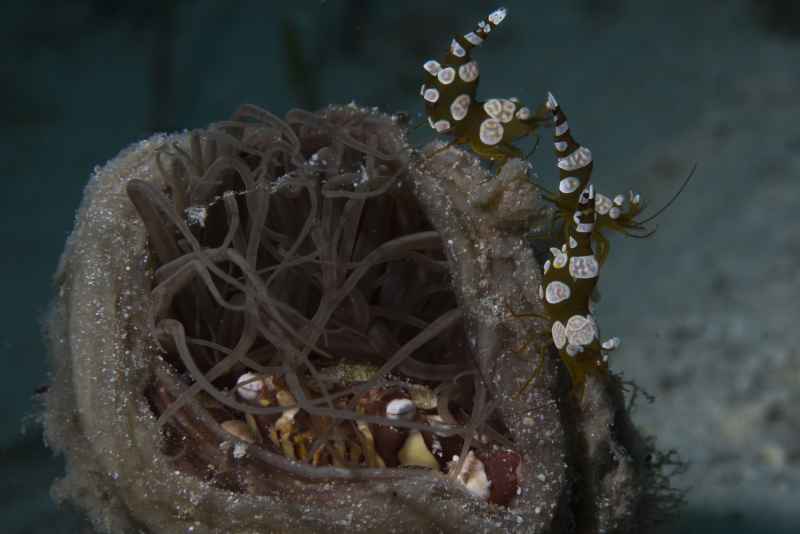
<point>105,357</point>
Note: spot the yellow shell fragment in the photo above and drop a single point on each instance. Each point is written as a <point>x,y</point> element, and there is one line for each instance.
<point>415,452</point>
<point>368,444</point>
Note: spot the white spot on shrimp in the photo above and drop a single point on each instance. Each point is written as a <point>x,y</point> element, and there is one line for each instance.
<point>523,113</point>
<point>559,258</point>
<point>561,146</point>
<point>441,125</point>
<point>557,292</point>
<point>559,335</point>
<point>507,110</point>
<point>577,160</point>
<point>581,330</point>
<point>431,95</point>
<point>583,266</point>
<point>619,200</point>
<point>491,132</point>
<point>614,212</point>
<point>635,198</point>
<point>611,343</point>
<point>468,71</point>
<point>456,49</point>
<point>569,184</point>
<point>493,108</point>
<point>422,90</point>
<point>562,128</point>
<point>587,194</point>
<point>572,242</point>
<point>432,66</point>
<point>546,266</point>
<point>574,350</point>
<point>602,204</point>
<point>446,76</point>
<point>497,16</point>
<point>551,104</point>
<point>473,38</point>
<point>459,107</point>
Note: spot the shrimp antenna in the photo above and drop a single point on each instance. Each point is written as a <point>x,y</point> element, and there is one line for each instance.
<point>674,197</point>
<point>535,146</point>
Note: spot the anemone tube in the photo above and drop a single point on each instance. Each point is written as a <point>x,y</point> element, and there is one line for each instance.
<point>320,250</point>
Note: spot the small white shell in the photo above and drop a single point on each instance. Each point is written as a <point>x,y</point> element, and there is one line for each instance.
<point>251,385</point>
<point>401,409</point>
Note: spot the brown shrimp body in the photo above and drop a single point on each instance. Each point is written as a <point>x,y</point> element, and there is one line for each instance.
<point>489,128</point>
<point>571,274</point>
<point>575,167</point>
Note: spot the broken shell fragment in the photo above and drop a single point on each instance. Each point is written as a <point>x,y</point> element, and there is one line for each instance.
<point>388,442</point>
<point>443,447</point>
<point>239,429</point>
<point>502,470</point>
<point>473,475</point>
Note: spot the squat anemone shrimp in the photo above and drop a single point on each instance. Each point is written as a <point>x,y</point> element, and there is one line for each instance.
<point>489,128</point>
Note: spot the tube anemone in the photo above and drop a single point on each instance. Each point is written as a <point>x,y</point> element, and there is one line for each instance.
<point>297,324</point>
